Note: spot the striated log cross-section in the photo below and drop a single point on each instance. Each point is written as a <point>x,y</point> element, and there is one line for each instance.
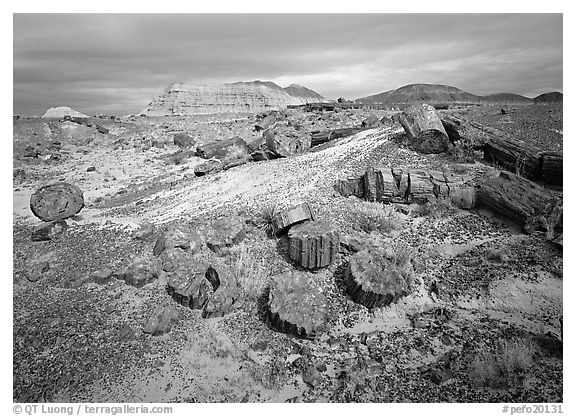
<point>291,216</point>
<point>314,244</point>
<point>401,186</point>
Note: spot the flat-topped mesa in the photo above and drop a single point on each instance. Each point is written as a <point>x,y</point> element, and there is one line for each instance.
<point>239,97</point>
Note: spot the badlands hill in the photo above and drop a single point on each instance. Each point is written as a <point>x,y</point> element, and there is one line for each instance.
<point>185,99</point>
<point>549,97</point>
<point>60,112</point>
<point>434,93</point>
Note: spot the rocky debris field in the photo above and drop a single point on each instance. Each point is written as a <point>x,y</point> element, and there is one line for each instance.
<point>321,256</point>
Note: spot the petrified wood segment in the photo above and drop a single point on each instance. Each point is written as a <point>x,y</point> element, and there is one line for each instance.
<point>376,278</point>
<point>314,244</point>
<point>188,285</point>
<point>319,137</point>
<point>513,155</point>
<point>291,216</point>
<point>424,129</point>
<point>519,200</point>
<point>57,201</point>
<point>224,232</point>
<point>296,305</point>
<point>552,167</point>
<point>401,186</point>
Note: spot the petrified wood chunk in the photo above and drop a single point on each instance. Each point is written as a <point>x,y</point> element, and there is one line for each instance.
<point>519,200</point>
<point>57,201</point>
<point>552,167</point>
<point>226,291</point>
<point>291,216</point>
<point>177,236</point>
<point>376,278</point>
<point>266,122</point>
<point>314,243</point>
<point>139,273</point>
<point>204,168</point>
<point>224,232</point>
<point>319,137</point>
<point>285,141</point>
<point>424,129</point>
<point>47,232</point>
<point>296,305</point>
<point>513,155</point>
<point>188,285</point>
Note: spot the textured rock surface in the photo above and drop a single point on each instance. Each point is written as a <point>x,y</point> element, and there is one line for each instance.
<point>314,244</point>
<point>60,112</point>
<point>291,216</point>
<point>49,231</point>
<point>177,236</point>
<point>161,321</point>
<point>185,141</point>
<point>139,273</point>
<point>226,291</point>
<point>285,141</point>
<point>204,168</point>
<point>57,201</point>
<point>425,129</point>
<point>182,99</point>
<point>188,285</point>
<point>224,232</point>
<point>376,278</point>
<point>297,306</point>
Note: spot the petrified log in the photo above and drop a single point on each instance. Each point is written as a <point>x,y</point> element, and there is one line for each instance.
<point>184,141</point>
<point>188,285</point>
<point>521,201</point>
<point>291,216</point>
<point>266,122</point>
<point>47,232</point>
<point>552,167</point>
<point>371,122</point>
<point>139,273</point>
<point>314,244</point>
<point>226,291</point>
<point>57,201</point>
<point>224,150</point>
<point>177,237</point>
<point>401,186</point>
<point>204,168</point>
<point>285,141</point>
<point>296,305</point>
<point>514,156</point>
<point>376,278</point>
<point>319,137</point>
<point>424,128</point>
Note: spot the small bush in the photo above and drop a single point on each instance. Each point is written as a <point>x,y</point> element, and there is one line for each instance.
<point>372,216</point>
<point>506,367</point>
<point>234,153</point>
<point>264,219</point>
<point>464,198</point>
<point>251,272</point>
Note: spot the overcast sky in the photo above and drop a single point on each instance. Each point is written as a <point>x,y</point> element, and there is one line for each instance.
<point>115,63</point>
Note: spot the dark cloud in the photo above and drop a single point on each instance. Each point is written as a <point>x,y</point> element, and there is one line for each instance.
<point>117,62</point>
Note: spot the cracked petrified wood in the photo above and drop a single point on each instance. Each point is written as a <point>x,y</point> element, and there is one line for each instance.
<point>292,216</point>
<point>402,186</point>
<point>376,278</point>
<point>297,306</point>
<point>224,232</point>
<point>424,128</point>
<point>521,201</point>
<point>552,167</point>
<point>313,244</point>
<point>188,285</point>
<point>319,137</point>
<point>57,201</point>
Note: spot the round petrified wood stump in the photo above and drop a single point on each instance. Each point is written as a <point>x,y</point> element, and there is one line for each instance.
<point>291,216</point>
<point>296,305</point>
<point>376,278</point>
<point>57,201</point>
<point>313,244</point>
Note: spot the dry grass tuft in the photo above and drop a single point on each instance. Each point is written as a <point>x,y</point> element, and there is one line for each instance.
<point>251,272</point>
<point>372,216</point>
<point>506,367</point>
<point>265,217</point>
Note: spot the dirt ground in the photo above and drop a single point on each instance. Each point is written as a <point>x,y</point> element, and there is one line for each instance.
<point>482,288</point>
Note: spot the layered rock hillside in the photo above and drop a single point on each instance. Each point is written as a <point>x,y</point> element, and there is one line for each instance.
<point>60,112</point>
<point>185,99</point>
<point>433,93</point>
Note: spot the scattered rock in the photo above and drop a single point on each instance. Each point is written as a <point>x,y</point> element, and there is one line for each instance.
<point>204,168</point>
<point>101,277</point>
<point>145,232</point>
<point>36,270</point>
<point>285,141</point>
<point>371,122</point>
<point>177,236</point>
<point>47,232</point>
<point>350,245</point>
<point>126,333</point>
<point>18,175</point>
<point>225,232</point>
<point>57,201</point>
<point>311,376</point>
<point>266,122</point>
<point>101,129</point>
<point>188,285</point>
<point>184,141</point>
<point>225,150</point>
<point>91,169</point>
<point>161,321</point>
<point>226,292</point>
<point>141,272</point>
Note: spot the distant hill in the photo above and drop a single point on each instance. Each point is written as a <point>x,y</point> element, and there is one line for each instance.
<point>549,97</point>
<point>237,97</point>
<point>436,93</point>
<point>60,112</point>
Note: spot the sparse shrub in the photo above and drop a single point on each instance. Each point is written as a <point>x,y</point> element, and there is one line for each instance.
<point>464,198</point>
<point>372,216</point>
<point>264,219</point>
<point>235,152</point>
<point>437,208</point>
<point>465,152</point>
<point>505,367</point>
<point>251,272</point>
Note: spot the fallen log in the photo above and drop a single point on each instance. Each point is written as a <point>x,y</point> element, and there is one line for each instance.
<point>552,167</point>
<point>424,128</point>
<point>402,186</point>
<point>514,156</point>
<point>324,136</point>
<point>522,202</point>
<point>313,244</point>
